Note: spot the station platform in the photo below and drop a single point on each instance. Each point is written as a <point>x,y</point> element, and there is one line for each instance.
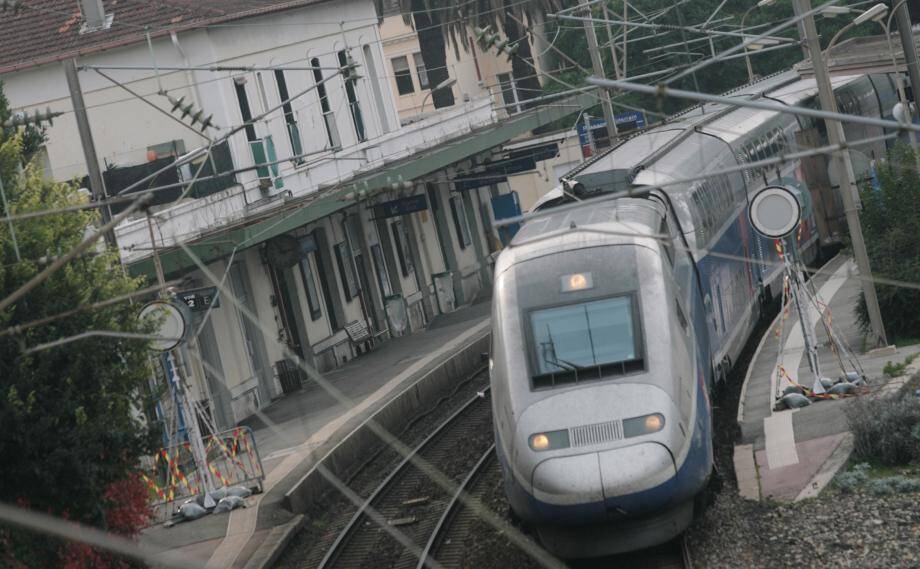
<point>791,455</point>
<point>301,427</point>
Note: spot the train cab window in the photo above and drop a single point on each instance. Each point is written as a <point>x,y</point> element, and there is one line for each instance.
<point>584,341</point>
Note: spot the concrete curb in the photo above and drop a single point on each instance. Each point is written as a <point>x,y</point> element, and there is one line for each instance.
<point>278,538</point>
<point>829,469</point>
<point>746,472</point>
<point>352,449</point>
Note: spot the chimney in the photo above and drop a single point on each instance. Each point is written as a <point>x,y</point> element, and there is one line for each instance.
<point>94,16</point>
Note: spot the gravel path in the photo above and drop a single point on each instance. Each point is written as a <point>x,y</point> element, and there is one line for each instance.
<point>839,530</point>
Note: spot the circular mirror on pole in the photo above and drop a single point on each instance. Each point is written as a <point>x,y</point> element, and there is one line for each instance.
<point>776,211</point>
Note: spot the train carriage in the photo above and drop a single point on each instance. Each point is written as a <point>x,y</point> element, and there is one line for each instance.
<point>613,319</point>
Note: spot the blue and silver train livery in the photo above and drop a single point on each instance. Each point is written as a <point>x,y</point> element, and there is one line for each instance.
<point>614,318</point>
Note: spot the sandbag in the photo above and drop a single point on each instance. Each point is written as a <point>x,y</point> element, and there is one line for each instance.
<point>795,400</point>
<point>191,510</point>
<point>793,389</point>
<point>240,491</point>
<point>228,503</point>
<point>842,388</point>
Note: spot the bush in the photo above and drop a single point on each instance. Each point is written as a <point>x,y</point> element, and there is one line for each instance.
<point>886,430</point>
<point>849,481</point>
<point>890,225</point>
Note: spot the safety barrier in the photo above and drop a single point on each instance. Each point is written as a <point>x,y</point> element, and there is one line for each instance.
<point>172,476</point>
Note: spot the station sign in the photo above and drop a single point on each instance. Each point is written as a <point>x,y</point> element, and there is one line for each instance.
<point>402,206</point>
<point>200,299</point>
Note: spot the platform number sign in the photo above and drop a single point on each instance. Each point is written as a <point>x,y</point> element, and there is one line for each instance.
<point>200,299</point>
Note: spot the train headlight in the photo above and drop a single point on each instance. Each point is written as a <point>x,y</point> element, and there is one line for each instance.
<point>578,281</point>
<point>643,425</point>
<point>550,440</point>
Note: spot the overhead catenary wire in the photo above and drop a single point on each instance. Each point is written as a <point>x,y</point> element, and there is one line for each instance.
<point>663,91</point>
<point>744,44</point>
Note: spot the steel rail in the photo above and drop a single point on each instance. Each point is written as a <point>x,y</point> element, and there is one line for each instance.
<point>346,535</point>
<point>445,523</point>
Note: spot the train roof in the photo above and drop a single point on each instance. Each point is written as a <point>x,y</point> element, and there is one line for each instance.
<point>658,155</point>
<point>591,223</point>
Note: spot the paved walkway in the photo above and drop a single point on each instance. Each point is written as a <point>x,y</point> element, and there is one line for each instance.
<point>304,425</point>
<point>792,454</point>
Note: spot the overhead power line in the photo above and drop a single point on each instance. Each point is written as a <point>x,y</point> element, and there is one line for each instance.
<point>664,91</point>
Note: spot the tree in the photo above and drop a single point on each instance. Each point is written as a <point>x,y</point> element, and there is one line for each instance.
<point>32,137</point>
<point>70,431</point>
<point>454,20</point>
<point>891,222</point>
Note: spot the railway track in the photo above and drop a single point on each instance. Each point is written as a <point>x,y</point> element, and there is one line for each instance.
<point>446,544</point>
<point>408,499</point>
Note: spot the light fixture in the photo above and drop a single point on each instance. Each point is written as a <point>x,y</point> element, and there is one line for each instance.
<point>449,82</point>
<point>875,13</point>
<point>832,11</point>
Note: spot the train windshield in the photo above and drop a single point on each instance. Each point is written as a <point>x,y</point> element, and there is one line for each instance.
<point>584,341</point>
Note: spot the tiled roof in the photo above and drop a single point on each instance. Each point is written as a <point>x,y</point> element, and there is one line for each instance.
<point>44,31</point>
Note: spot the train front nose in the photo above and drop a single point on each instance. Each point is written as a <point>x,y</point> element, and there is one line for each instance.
<point>603,470</point>
<point>605,485</point>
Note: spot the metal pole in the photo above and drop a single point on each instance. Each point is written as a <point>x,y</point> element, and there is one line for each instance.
<point>800,27</point>
<point>910,49</point>
<point>89,149</point>
<point>598,65</point>
<point>612,42</point>
<point>747,57</point>
<point>846,175</point>
<point>799,293</point>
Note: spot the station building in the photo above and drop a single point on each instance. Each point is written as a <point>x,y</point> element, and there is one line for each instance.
<point>342,219</point>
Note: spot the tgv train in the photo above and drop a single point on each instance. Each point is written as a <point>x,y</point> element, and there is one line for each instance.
<point>607,344</point>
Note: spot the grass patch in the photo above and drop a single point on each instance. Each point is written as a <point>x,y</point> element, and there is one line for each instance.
<point>896,370</point>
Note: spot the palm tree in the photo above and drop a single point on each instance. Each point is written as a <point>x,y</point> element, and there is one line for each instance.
<point>438,22</point>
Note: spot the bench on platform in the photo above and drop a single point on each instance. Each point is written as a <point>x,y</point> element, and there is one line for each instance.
<point>359,332</point>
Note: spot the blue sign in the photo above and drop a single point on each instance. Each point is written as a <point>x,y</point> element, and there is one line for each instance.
<point>503,207</point>
<point>402,206</point>
<point>633,119</point>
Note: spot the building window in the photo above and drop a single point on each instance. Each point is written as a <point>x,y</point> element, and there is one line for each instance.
<point>245,111</point>
<point>289,118</point>
<point>460,222</point>
<point>263,151</point>
<point>403,75</point>
<point>380,266</point>
<point>374,80</point>
<point>510,95</point>
<point>420,71</point>
<point>346,270</point>
<point>401,242</point>
<point>309,285</point>
<point>356,116</point>
<point>332,133</point>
